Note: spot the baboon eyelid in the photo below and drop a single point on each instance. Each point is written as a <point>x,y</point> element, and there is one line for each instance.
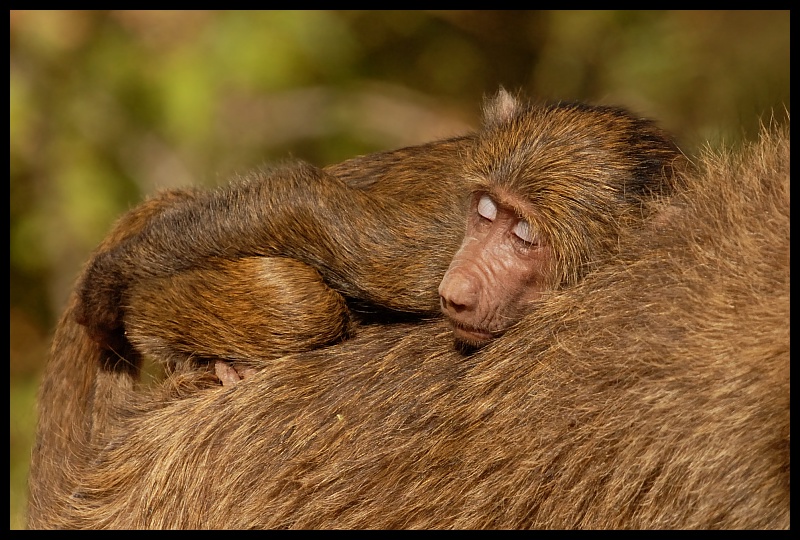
<point>487,208</point>
<point>523,231</point>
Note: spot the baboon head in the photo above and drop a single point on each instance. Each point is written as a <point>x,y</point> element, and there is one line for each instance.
<point>552,185</point>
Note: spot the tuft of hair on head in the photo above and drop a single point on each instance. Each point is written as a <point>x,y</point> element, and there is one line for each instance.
<point>500,108</point>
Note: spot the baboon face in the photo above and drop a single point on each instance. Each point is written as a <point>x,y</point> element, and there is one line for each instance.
<point>552,185</point>
<point>501,267</point>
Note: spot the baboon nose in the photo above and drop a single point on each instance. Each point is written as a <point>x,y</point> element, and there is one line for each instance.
<point>459,295</point>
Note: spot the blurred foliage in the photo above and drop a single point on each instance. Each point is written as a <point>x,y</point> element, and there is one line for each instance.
<point>108,106</point>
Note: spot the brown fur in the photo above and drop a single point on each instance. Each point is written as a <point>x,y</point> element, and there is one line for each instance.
<point>214,312</point>
<point>654,394</point>
<point>91,372</point>
<point>398,243</point>
<point>382,229</point>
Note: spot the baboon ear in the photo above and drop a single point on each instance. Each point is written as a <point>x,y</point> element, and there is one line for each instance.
<point>500,108</point>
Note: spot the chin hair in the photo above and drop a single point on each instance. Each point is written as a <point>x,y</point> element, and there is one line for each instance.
<point>467,347</point>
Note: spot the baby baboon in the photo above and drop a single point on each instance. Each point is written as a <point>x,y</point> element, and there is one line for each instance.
<point>550,189</point>
<point>560,180</point>
<point>653,394</point>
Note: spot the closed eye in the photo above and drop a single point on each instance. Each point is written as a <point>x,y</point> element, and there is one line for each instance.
<point>487,208</point>
<point>524,232</point>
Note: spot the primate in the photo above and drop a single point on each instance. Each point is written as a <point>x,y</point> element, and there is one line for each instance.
<point>653,393</point>
<point>544,188</point>
<point>381,231</point>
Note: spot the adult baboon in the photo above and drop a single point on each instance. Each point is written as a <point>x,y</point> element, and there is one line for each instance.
<point>653,393</point>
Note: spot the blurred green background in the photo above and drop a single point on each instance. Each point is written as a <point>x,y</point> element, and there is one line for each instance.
<point>109,106</point>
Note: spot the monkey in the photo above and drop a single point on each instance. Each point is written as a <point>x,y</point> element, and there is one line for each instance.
<point>610,162</point>
<point>654,393</point>
<point>409,202</point>
<point>409,207</point>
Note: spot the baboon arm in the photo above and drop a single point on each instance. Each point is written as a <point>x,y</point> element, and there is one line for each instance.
<point>297,211</point>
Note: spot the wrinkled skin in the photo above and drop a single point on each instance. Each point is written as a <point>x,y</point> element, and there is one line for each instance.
<point>502,266</point>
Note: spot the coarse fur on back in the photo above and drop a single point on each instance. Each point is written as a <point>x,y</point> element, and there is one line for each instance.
<point>653,394</point>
